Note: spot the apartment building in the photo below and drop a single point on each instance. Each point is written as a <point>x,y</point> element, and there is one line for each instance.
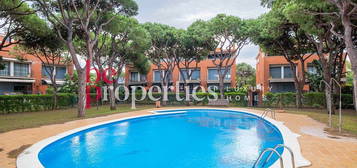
<point>205,75</point>
<point>26,74</point>
<point>273,73</point>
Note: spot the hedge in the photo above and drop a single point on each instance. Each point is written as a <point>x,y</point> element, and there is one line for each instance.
<point>310,99</point>
<point>30,103</point>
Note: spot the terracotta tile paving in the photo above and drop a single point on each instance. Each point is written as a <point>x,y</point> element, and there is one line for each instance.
<point>322,152</point>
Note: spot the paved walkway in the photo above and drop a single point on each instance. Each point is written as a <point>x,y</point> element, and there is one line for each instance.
<point>321,150</point>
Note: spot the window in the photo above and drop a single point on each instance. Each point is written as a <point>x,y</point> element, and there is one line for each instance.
<point>282,87</point>
<point>6,70</point>
<point>288,73</point>
<point>157,75</point>
<point>46,71</point>
<point>281,72</point>
<point>275,72</point>
<point>142,77</point>
<point>311,69</point>
<point>183,75</point>
<point>228,75</point>
<point>21,69</point>
<point>134,76</point>
<point>60,72</point>
<point>195,74</point>
<point>213,74</point>
<point>218,56</point>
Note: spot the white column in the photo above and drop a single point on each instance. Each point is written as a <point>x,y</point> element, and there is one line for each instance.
<point>282,72</point>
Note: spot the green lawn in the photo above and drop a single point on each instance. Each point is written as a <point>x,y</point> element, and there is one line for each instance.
<point>349,118</point>
<point>10,122</point>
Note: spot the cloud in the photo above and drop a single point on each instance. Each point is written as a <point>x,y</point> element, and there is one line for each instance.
<point>248,55</point>
<point>181,13</point>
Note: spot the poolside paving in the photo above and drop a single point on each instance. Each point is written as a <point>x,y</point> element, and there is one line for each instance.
<point>322,151</point>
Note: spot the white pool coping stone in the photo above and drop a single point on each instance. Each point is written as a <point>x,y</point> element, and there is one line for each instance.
<point>29,157</point>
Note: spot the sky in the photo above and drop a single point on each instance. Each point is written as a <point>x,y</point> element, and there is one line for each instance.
<point>181,13</point>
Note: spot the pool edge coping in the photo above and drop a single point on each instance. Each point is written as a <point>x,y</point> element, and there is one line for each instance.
<point>29,157</point>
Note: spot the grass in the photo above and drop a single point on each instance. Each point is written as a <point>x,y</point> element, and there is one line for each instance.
<point>15,121</point>
<point>349,118</point>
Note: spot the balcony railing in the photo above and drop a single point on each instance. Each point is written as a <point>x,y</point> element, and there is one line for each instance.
<point>137,81</point>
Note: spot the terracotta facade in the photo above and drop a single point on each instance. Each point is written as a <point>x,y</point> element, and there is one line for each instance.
<point>265,64</point>
<point>23,73</point>
<point>205,67</point>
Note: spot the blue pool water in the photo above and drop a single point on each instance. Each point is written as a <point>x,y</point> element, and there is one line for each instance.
<point>199,138</point>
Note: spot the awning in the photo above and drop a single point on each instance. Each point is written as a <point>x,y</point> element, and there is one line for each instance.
<point>279,80</point>
<point>17,80</point>
<point>49,82</point>
<point>217,81</point>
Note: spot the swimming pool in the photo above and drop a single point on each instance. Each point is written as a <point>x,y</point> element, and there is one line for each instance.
<point>207,138</point>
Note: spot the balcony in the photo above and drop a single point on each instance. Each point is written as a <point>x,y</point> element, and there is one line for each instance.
<point>159,81</point>
<point>191,81</point>
<point>281,80</point>
<point>16,72</point>
<point>217,81</point>
<point>137,82</point>
<point>136,78</point>
<point>15,79</point>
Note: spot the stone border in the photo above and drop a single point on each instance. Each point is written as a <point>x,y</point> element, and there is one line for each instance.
<point>29,157</point>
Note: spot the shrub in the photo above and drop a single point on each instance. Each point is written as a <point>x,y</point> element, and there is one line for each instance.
<point>314,99</point>
<point>279,99</point>
<point>237,98</point>
<point>310,99</point>
<point>347,100</point>
<point>29,103</point>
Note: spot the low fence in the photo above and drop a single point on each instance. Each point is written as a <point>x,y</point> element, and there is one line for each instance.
<point>310,100</point>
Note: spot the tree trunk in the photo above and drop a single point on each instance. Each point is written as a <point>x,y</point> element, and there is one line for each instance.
<point>299,97</point>
<point>111,90</point>
<point>351,51</point>
<point>328,99</point>
<point>355,89</point>
<point>163,86</point>
<point>81,92</point>
<point>112,97</point>
<point>54,97</point>
<point>221,86</point>
<point>328,89</point>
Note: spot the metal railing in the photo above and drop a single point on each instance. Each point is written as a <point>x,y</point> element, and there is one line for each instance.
<point>272,151</point>
<point>267,111</point>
